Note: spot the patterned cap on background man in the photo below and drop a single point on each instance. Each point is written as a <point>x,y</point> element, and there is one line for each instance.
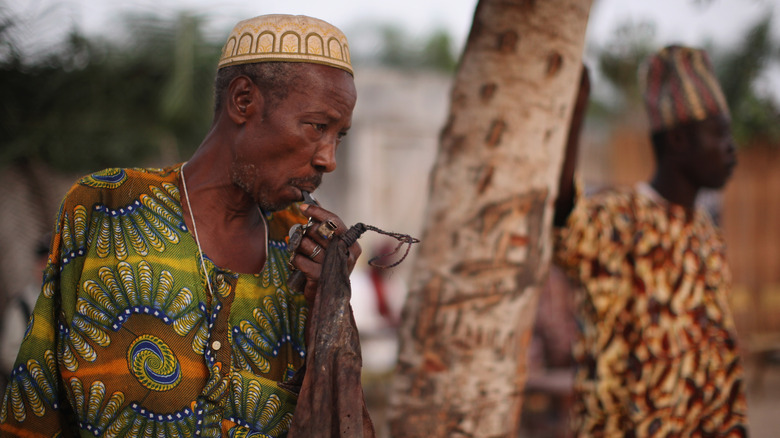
<point>679,86</point>
<point>286,38</point>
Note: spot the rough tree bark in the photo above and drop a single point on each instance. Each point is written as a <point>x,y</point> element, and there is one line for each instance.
<point>486,243</point>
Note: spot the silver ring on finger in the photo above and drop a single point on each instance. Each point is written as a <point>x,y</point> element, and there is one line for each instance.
<point>317,250</point>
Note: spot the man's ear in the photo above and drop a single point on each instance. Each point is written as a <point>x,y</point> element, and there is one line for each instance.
<point>244,100</point>
<point>677,140</point>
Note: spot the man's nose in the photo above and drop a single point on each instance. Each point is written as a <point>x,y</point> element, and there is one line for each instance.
<point>325,157</point>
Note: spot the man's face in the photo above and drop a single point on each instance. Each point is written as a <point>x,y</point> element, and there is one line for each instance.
<point>288,147</point>
<point>711,158</point>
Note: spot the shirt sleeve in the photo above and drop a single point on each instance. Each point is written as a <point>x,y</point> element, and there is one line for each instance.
<point>34,402</point>
<point>595,238</point>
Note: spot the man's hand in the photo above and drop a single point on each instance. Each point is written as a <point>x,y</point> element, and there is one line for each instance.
<point>310,253</point>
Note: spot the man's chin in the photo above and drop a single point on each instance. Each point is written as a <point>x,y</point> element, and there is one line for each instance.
<point>717,185</point>
<point>278,200</point>
<point>270,207</point>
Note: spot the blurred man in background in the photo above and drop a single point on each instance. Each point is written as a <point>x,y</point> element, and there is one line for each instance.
<point>165,308</point>
<point>658,353</point>
<point>17,313</point>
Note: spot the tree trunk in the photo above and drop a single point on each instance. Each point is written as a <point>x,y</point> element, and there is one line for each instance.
<point>486,244</point>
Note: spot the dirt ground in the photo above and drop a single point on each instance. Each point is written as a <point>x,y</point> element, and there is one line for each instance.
<point>764,398</point>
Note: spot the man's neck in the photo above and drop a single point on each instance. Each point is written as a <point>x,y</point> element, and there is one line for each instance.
<point>675,190</point>
<point>231,228</point>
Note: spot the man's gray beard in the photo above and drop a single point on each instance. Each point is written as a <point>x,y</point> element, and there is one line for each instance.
<point>268,207</point>
<point>242,177</point>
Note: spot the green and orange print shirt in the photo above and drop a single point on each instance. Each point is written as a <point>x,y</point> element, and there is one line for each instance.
<point>658,355</point>
<point>126,340</point>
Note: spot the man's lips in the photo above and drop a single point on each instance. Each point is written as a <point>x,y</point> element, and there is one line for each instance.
<point>300,193</point>
<point>309,189</point>
<point>309,184</point>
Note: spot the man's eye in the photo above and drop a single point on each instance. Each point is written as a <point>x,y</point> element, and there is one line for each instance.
<point>319,126</point>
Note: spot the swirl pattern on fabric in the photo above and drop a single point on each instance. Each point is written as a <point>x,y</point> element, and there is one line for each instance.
<point>153,363</point>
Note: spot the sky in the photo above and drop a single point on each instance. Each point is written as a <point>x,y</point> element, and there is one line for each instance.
<point>688,21</point>
<point>691,22</point>
<point>97,14</point>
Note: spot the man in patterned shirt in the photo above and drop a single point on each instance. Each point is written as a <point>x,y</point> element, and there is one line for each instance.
<point>658,354</point>
<point>165,309</point>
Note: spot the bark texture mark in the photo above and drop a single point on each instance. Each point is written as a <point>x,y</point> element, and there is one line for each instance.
<point>473,268</point>
<point>485,178</point>
<point>487,91</point>
<point>431,292</point>
<point>530,274</point>
<point>490,215</point>
<point>528,6</point>
<point>447,129</point>
<point>455,147</point>
<point>518,239</point>
<point>495,133</point>
<point>433,363</point>
<point>554,64</point>
<point>507,42</point>
<point>425,329</point>
<point>459,100</point>
<point>548,135</point>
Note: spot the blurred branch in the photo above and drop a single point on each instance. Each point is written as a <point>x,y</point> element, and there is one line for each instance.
<point>621,58</point>
<point>8,44</point>
<point>740,67</point>
<point>755,117</point>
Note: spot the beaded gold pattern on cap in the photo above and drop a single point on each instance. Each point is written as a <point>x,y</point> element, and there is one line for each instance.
<point>286,38</point>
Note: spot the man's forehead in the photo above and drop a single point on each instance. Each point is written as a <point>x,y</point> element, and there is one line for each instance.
<point>316,77</point>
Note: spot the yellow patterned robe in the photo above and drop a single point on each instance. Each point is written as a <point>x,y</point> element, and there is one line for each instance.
<point>658,354</point>
<point>125,340</point>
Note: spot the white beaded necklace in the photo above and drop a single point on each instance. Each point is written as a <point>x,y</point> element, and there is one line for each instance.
<point>195,229</point>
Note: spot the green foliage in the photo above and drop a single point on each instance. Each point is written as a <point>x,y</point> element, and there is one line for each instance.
<point>438,52</point>
<point>398,49</point>
<point>394,48</point>
<point>92,104</point>
<point>755,117</point>
<point>756,120</point>
<point>620,59</point>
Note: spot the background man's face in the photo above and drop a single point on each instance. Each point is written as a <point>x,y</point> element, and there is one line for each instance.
<point>711,155</point>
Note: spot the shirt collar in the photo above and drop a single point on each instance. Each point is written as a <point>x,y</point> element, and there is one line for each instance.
<point>647,190</point>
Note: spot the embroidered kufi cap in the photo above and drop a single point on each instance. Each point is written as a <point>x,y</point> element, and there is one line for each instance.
<point>679,86</point>
<point>286,38</point>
